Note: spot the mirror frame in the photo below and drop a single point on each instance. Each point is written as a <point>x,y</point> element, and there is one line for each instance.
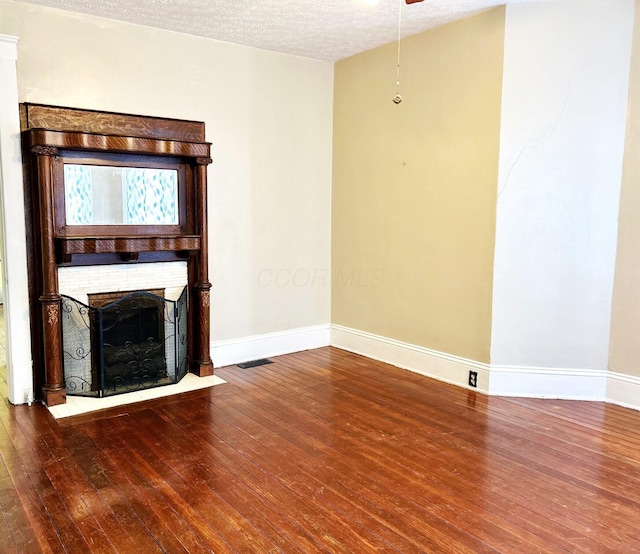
<point>185,195</point>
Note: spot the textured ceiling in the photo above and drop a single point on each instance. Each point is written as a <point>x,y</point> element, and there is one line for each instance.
<point>322,29</point>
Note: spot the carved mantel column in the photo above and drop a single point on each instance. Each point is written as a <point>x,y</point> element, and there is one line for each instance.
<point>53,390</point>
<point>202,364</point>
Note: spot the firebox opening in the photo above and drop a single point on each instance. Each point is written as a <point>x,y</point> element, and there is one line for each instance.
<point>123,342</point>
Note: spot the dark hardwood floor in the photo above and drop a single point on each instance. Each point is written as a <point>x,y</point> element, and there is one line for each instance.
<point>322,451</point>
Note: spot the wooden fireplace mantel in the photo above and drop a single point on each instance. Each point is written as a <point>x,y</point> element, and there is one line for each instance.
<point>115,143</point>
<point>66,247</point>
<point>54,134</point>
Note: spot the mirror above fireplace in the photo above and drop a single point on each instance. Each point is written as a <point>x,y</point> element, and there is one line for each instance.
<point>116,195</point>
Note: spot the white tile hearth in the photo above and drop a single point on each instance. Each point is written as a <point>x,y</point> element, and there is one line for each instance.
<point>77,405</point>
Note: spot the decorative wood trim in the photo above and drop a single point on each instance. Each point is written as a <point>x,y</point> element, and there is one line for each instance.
<point>202,364</point>
<point>128,256</point>
<point>50,299</point>
<point>39,116</point>
<point>53,396</point>
<point>115,143</point>
<point>67,246</point>
<point>184,226</point>
<point>53,390</point>
<point>44,150</point>
<point>52,312</point>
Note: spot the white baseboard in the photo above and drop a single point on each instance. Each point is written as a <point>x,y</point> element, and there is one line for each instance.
<point>235,351</point>
<point>542,382</point>
<point>431,363</point>
<point>532,382</point>
<point>20,380</point>
<point>623,390</point>
<point>517,381</point>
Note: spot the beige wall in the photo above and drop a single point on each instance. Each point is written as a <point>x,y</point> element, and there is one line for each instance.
<point>414,188</point>
<point>625,320</point>
<point>269,117</point>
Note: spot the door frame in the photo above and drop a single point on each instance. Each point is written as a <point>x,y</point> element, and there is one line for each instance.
<point>14,241</point>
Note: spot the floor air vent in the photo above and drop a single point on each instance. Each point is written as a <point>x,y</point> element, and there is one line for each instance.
<point>254,363</point>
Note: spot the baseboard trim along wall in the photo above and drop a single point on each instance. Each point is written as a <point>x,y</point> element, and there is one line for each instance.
<point>544,382</point>
<point>495,380</point>
<point>431,363</point>
<point>245,349</point>
<point>623,390</point>
<point>532,382</point>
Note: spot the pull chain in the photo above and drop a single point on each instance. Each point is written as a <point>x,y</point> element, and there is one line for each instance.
<point>397,98</point>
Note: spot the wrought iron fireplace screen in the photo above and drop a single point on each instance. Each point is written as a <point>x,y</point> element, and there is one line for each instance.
<point>134,343</point>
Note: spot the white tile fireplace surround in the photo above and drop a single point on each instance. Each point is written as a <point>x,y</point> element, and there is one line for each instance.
<point>80,281</point>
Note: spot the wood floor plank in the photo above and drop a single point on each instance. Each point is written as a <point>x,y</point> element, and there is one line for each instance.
<point>25,473</point>
<point>328,523</point>
<point>375,458</point>
<point>322,451</point>
<point>515,439</point>
<point>543,482</point>
<point>578,538</point>
<point>309,488</point>
<point>172,533</point>
<point>170,518</point>
<point>425,521</point>
<point>266,457</point>
<point>200,505</point>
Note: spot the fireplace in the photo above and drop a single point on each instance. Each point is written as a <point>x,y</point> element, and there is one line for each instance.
<point>114,192</point>
<point>123,342</point>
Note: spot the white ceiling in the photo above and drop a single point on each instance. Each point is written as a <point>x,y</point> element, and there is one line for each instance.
<point>322,29</point>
